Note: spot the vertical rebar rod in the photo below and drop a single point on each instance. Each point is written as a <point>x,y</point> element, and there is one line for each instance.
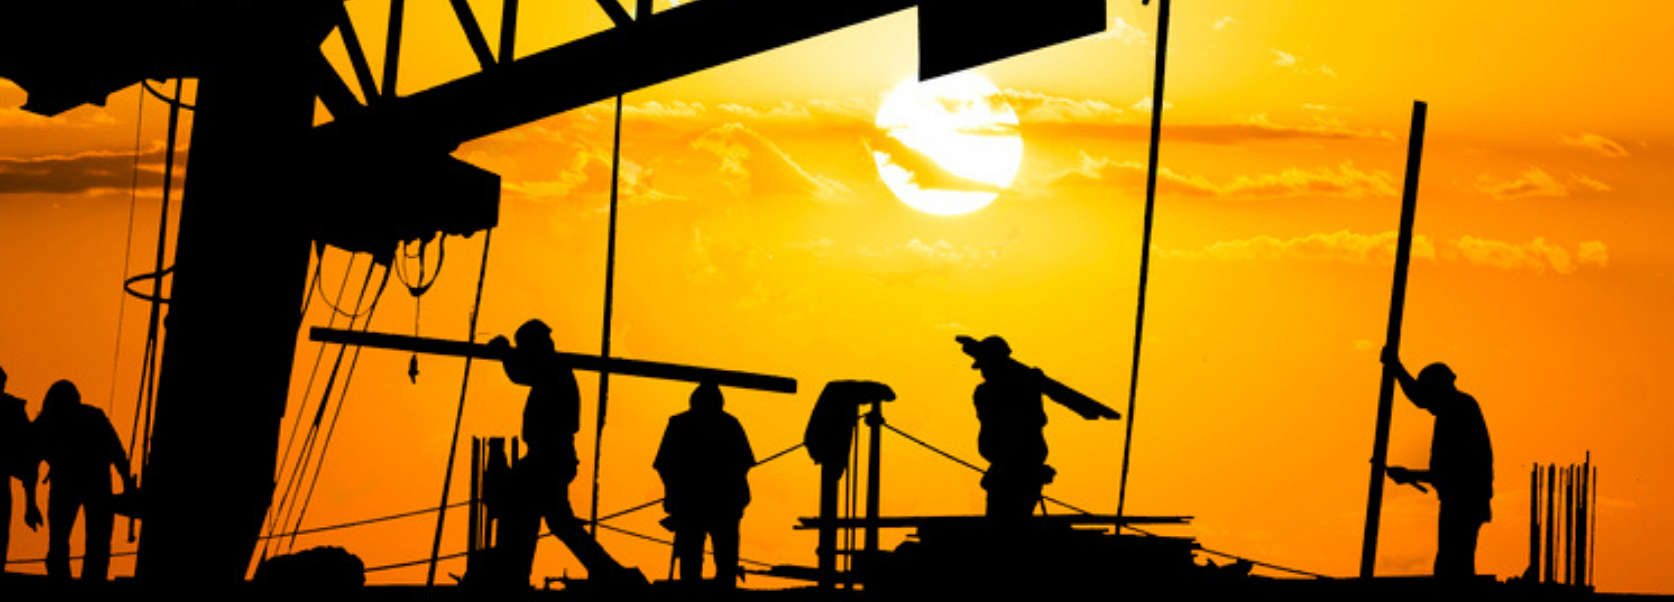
<point>1534,521</point>
<point>1551,514</point>
<point>609,307</point>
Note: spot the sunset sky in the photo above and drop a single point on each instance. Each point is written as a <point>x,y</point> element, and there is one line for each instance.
<point>756,234</point>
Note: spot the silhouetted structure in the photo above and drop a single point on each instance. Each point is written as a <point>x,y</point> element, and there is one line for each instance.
<point>1461,463</point>
<point>17,459</point>
<point>1008,403</point>
<point>541,478</point>
<point>827,438</point>
<point>79,446</point>
<point>704,462</point>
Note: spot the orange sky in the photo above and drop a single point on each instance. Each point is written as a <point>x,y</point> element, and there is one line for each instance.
<point>756,235</point>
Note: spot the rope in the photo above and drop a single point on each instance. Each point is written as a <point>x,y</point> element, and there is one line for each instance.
<point>296,425</point>
<point>1082,511</point>
<point>363,522</point>
<point>971,466</point>
<point>127,285</point>
<point>459,415</point>
<point>1145,248</point>
<point>419,287</point>
<point>334,308</point>
<point>286,499</point>
<point>343,397</point>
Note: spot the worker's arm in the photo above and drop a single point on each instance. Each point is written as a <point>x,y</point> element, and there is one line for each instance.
<point>1407,476</point>
<point>517,369</point>
<point>1392,359</point>
<point>118,457</point>
<point>31,475</point>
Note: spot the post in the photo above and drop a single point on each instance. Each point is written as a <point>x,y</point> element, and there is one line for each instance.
<point>1145,244</point>
<point>1397,305</point>
<point>830,476</point>
<point>874,480</point>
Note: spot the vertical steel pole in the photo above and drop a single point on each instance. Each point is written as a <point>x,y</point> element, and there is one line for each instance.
<point>1145,246</point>
<point>1397,306</point>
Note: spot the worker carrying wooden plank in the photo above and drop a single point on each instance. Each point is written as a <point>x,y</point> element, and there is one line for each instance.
<point>1008,404</point>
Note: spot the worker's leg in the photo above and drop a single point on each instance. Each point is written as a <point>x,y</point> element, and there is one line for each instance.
<point>724,534</point>
<point>62,507</point>
<point>5,528</point>
<point>101,520</point>
<point>1456,534</point>
<point>569,530</point>
<point>688,550</point>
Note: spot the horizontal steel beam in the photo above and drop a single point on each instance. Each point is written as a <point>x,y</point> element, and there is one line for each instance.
<point>656,48</point>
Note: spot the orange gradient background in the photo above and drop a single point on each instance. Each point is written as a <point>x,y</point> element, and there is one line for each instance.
<point>756,235</point>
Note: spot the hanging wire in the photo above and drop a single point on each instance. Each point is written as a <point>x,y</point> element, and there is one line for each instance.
<point>343,397</point>
<point>127,249</point>
<point>313,373</point>
<point>287,500</point>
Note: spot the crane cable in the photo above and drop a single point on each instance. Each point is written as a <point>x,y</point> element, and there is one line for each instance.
<point>459,414</point>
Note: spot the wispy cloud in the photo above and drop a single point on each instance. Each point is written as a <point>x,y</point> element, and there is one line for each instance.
<point>1537,256</point>
<point>82,172</point>
<point>1121,31</point>
<point>1596,143</point>
<point>1223,22</point>
<point>1286,60</point>
<point>1343,181</point>
<point>751,164</point>
<point>1343,246</point>
<point>1537,183</point>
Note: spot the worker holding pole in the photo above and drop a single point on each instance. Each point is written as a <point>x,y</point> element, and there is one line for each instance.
<point>1461,463</point>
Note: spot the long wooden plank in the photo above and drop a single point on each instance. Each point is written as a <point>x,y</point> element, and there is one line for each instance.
<point>578,361</point>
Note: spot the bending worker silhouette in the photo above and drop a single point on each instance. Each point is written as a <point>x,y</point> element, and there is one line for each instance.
<point>542,478</point>
<point>704,461</point>
<point>1461,463</point>
<point>80,447</point>
<point>1009,406</point>
<point>17,459</point>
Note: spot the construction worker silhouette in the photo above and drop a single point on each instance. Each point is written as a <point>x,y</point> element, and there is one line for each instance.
<point>80,447</point>
<point>1461,463</point>
<point>1009,405</point>
<point>17,459</point>
<point>704,461</point>
<point>551,417</point>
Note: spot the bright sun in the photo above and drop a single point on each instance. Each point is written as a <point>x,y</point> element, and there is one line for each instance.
<point>952,143</point>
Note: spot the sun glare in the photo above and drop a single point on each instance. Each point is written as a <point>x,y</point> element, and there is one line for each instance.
<point>951,144</point>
